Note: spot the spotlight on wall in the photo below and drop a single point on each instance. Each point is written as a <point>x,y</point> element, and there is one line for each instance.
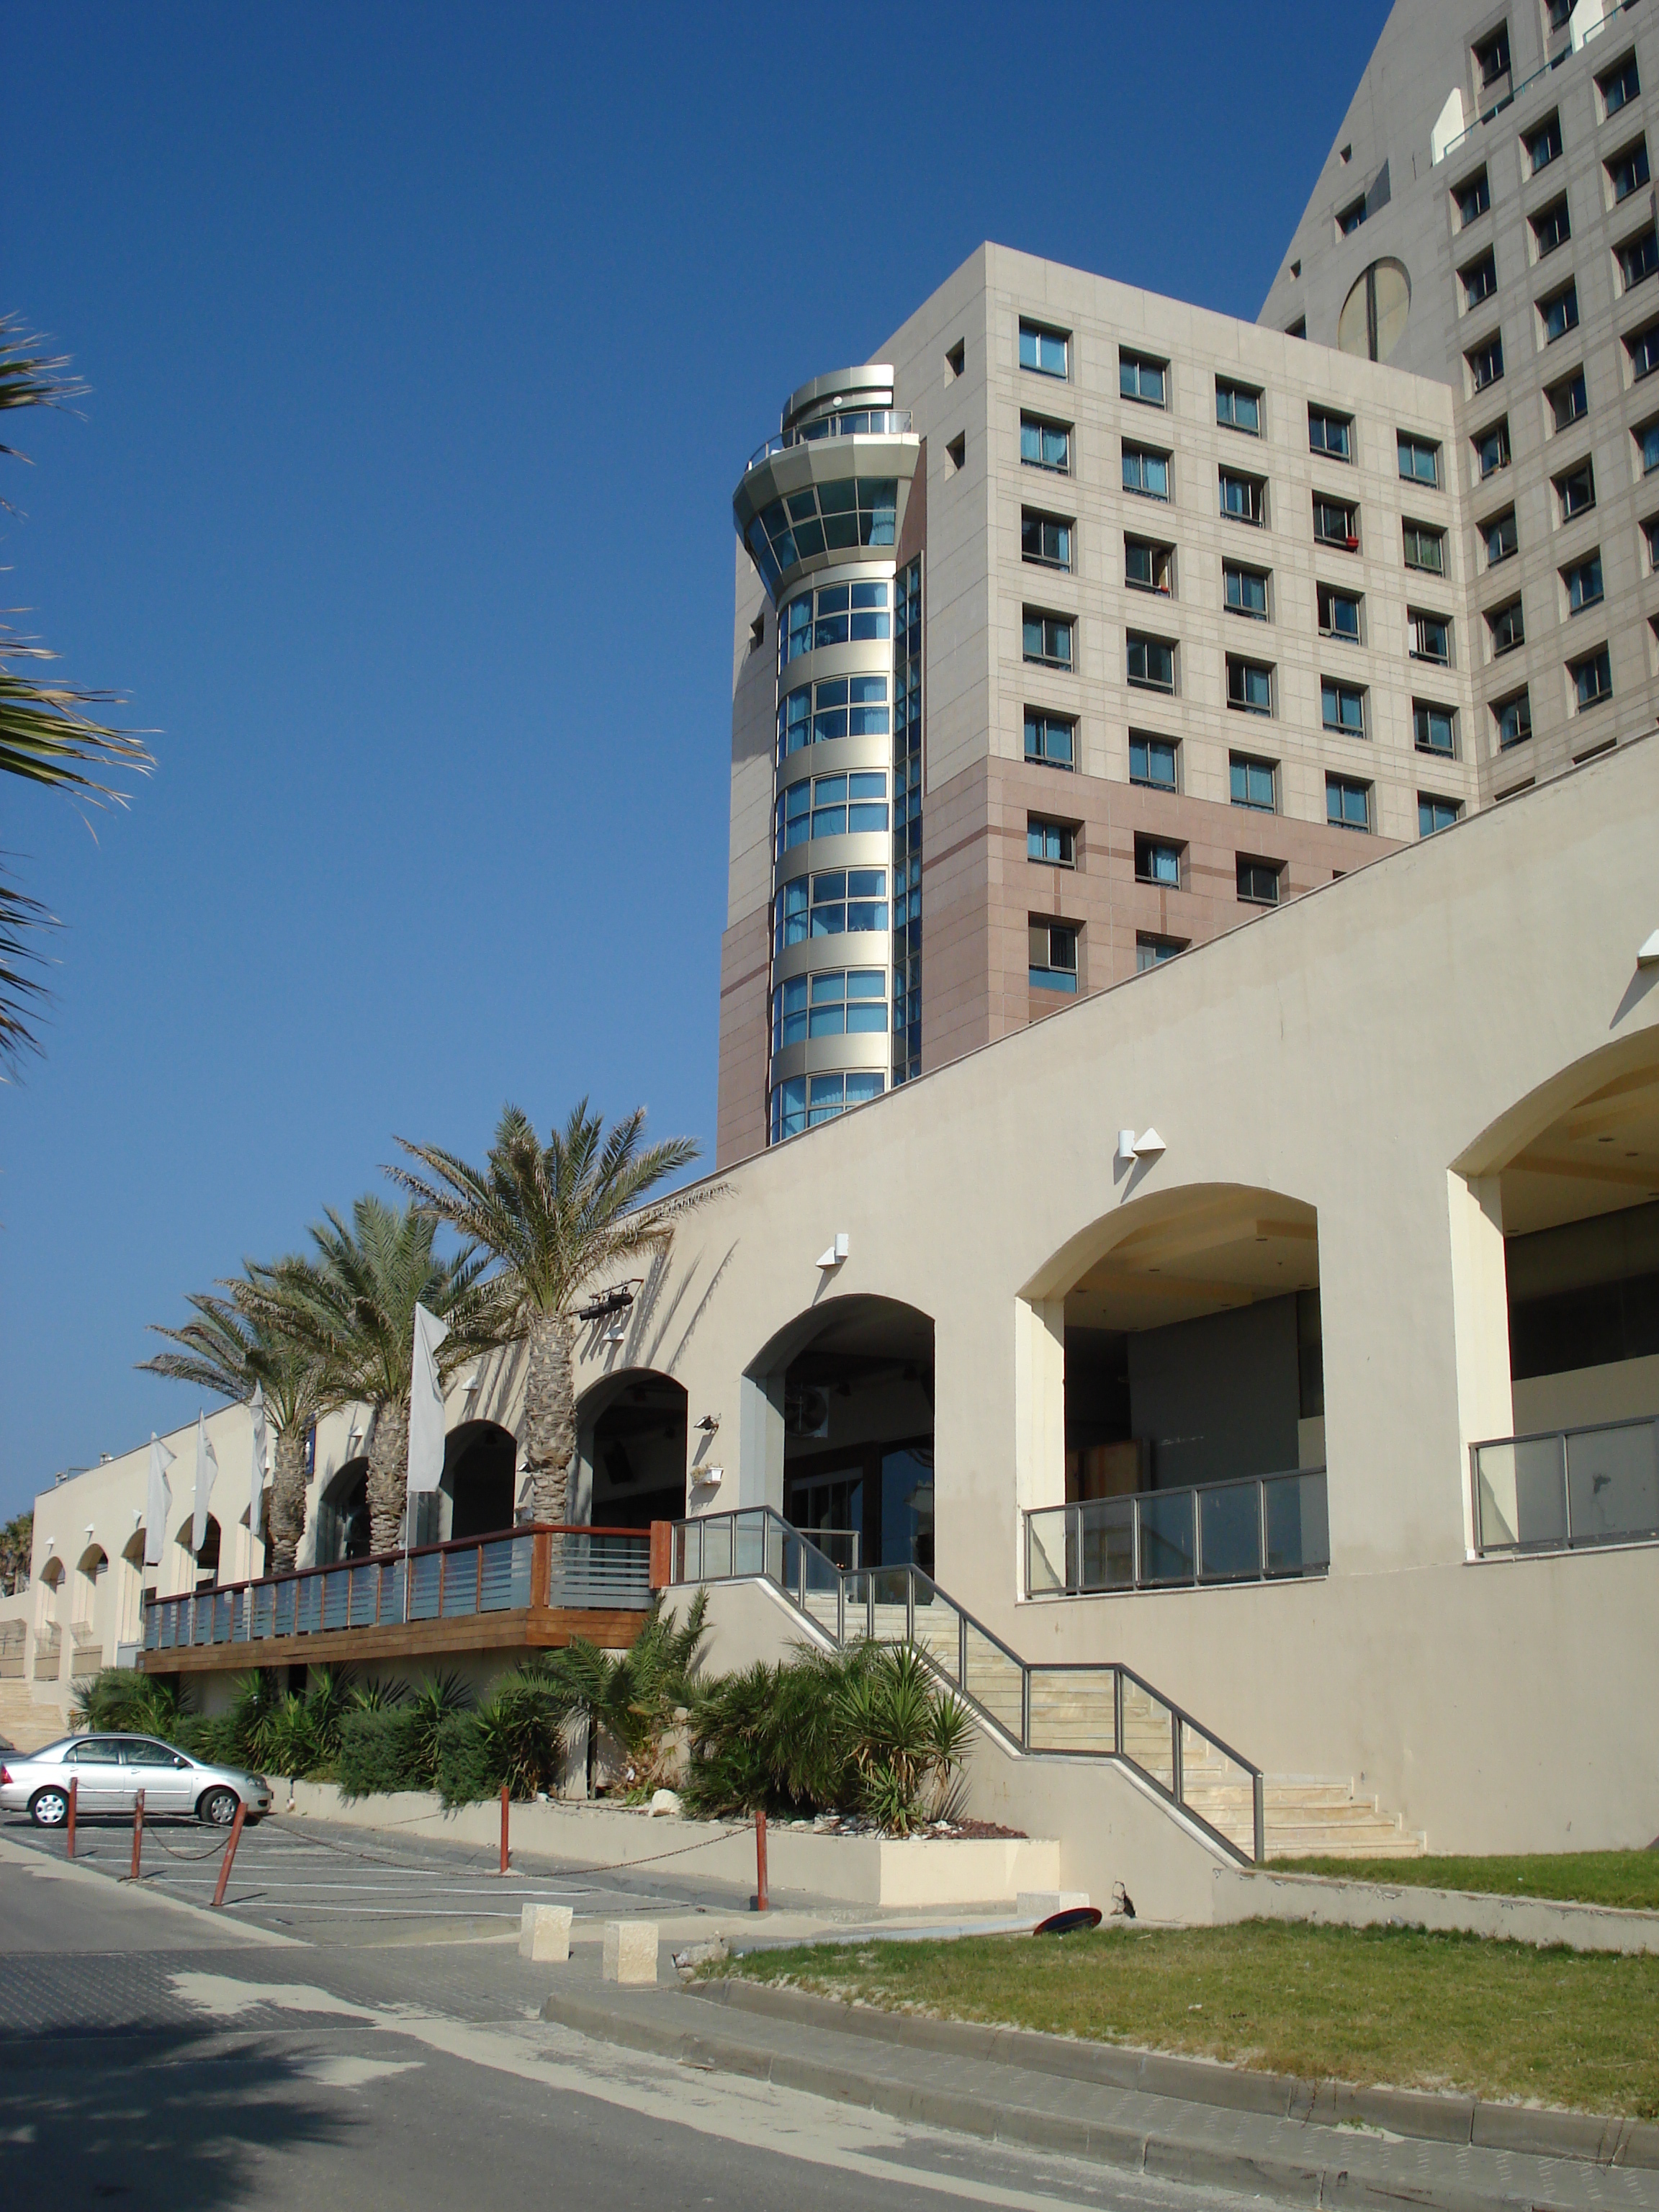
<point>834,1254</point>
<point>1649,955</point>
<point>1130,1147</point>
<point>1126,1146</point>
<point>709,1423</point>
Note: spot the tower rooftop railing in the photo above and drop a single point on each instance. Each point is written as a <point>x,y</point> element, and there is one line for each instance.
<point>847,423</point>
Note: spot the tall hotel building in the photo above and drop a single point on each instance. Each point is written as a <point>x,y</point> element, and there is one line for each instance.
<point>1085,624</point>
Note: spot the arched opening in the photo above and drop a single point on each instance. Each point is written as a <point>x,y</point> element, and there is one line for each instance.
<point>49,1616</point>
<point>342,1515</point>
<point>129,1594</point>
<point>631,1451</point>
<point>849,1388</point>
<point>204,1563</point>
<point>1567,1308</point>
<point>480,1479</point>
<point>90,1571</point>
<point>1190,1370</point>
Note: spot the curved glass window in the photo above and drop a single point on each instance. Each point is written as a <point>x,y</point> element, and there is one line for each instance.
<point>805,1101</point>
<point>845,900</point>
<point>841,1002</point>
<point>838,614</point>
<point>831,806</point>
<point>824,517</point>
<point>842,707</point>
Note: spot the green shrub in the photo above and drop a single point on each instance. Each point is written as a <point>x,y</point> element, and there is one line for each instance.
<point>379,1753</point>
<point>868,1730</point>
<point>463,1771</point>
<point>122,1700</point>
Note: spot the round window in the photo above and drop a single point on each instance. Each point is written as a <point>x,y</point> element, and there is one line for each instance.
<point>1373,318</point>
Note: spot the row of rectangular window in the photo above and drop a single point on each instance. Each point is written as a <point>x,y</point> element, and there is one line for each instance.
<point>1253,781</point>
<point>1048,541</point>
<point>1049,642</point>
<point>1046,444</point>
<point>1541,144</point>
<point>804,1102</point>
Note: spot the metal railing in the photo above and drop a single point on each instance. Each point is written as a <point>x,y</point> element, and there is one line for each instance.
<point>1567,1489</point>
<point>1084,1711</point>
<point>1557,61</point>
<point>14,1649</point>
<point>1264,1527</point>
<point>585,1569</point>
<point>849,423</point>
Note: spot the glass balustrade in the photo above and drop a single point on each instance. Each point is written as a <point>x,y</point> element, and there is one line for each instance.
<point>849,422</point>
<point>1262,1528</point>
<point>1569,1489</point>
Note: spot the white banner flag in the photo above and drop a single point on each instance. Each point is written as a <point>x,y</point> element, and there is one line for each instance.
<point>158,1503</point>
<point>426,1405</point>
<point>207,1473</point>
<point>256,1473</point>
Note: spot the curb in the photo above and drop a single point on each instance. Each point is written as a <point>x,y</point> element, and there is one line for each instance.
<point>1589,2137</point>
<point>1162,2155</point>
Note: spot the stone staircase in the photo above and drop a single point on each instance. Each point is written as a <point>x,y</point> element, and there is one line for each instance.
<point>27,1721</point>
<point>1072,1710</point>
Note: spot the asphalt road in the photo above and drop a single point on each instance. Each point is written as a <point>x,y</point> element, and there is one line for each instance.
<point>152,2056</point>
<point>336,1884</point>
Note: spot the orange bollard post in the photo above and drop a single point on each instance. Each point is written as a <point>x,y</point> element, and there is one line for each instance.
<point>137,1833</point>
<point>505,1855</point>
<point>75,1791</point>
<point>761,1903</point>
<point>229,1859</point>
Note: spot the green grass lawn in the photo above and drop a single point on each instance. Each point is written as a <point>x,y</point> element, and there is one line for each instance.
<point>1630,1878</point>
<point>1501,2020</point>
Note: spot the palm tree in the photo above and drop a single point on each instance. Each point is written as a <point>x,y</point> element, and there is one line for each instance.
<point>45,736</point>
<point>353,1305</point>
<point>235,1344</point>
<point>556,1218</point>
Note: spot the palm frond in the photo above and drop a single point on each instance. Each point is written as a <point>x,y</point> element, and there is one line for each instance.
<point>46,737</point>
<point>22,991</point>
<point>29,377</point>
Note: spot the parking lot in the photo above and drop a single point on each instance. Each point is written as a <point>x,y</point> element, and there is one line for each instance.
<point>334,1884</point>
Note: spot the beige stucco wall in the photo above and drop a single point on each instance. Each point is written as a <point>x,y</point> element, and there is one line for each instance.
<point>1360,1052</point>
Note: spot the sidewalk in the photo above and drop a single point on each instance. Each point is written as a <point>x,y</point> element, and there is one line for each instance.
<point>1177,2120</point>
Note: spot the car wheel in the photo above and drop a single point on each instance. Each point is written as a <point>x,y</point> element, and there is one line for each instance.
<point>218,1808</point>
<point>49,1808</point>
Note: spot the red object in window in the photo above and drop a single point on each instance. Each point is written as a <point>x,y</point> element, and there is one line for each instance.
<point>1353,545</point>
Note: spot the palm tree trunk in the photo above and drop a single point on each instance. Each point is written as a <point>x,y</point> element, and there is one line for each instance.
<point>288,1500</point>
<point>550,1413</point>
<point>388,1475</point>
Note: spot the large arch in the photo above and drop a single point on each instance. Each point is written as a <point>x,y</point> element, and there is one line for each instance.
<point>90,1570</point>
<point>838,1429</point>
<point>342,1510</point>
<point>630,1470</point>
<point>479,1485</point>
<point>1555,1212</point>
<point>1190,1337</point>
<point>203,1572</point>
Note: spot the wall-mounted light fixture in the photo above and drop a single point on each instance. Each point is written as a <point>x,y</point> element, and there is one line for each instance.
<point>709,1424</point>
<point>1649,955</point>
<point>1130,1147</point>
<point>834,1254</point>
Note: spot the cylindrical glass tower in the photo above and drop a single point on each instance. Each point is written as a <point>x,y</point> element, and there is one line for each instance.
<point>820,509</point>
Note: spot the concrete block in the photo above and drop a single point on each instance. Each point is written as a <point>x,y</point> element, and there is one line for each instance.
<point>630,1951</point>
<point>545,1932</point>
<point>1038,1904</point>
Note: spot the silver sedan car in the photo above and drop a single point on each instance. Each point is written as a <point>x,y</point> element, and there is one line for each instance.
<point>110,1771</point>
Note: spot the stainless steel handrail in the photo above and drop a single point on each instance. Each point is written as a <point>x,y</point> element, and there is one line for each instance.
<point>855,422</point>
<point>914,1579</point>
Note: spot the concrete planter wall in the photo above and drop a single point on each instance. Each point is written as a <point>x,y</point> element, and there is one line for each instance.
<point>869,1870</point>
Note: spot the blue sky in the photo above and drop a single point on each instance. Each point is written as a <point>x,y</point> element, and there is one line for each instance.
<point>426,345</point>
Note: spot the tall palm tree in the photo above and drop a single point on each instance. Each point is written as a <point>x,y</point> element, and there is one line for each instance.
<point>554,1218</point>
<point>354,1304</point>
<point>45,736</point>
<point>235,1344</point>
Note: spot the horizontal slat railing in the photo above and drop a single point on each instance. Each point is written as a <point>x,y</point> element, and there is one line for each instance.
<point>582,1569</point>
<point>1267,1527</point>
<point>1088,1711</point>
